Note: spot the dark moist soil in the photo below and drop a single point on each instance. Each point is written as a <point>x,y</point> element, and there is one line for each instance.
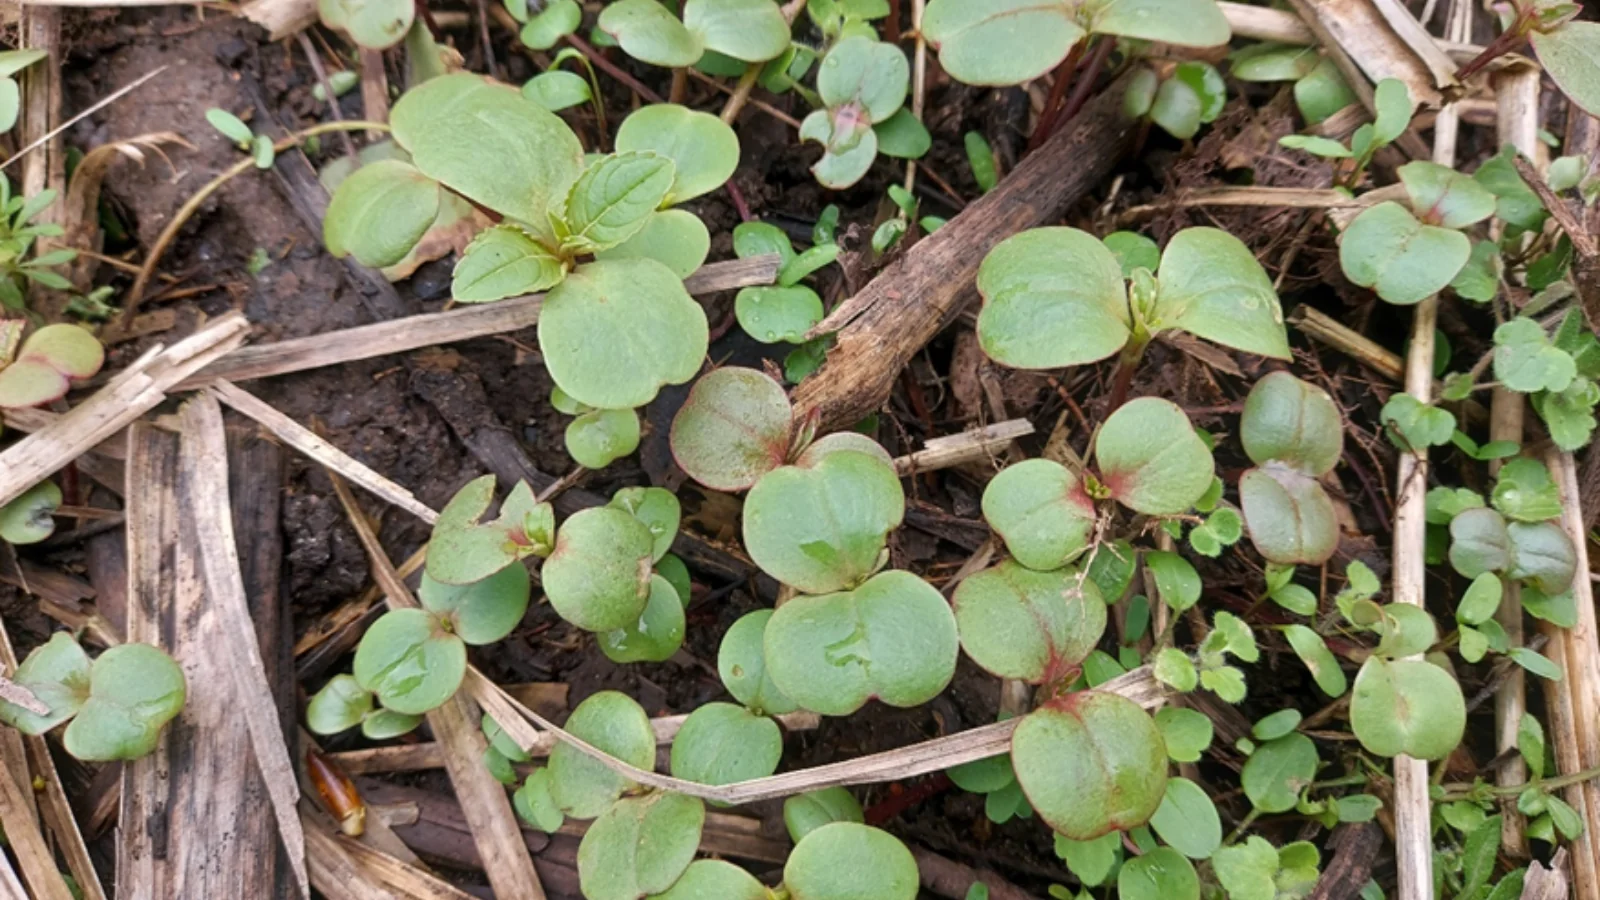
<point>370,410</point>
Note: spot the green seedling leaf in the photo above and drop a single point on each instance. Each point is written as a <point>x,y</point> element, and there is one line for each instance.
<point>1187,733</point>
<point>134,689</point>
<point>1479,280</point>
<point>1161,874</point>
<point>1175,669</point>
<point>1442,196</point>
<point>1000,42</point>
<point>58,675</point>
<point>410,661</point>
<point>761,239</point>
<point>557,20</point>
<point>612,201</point>
<point>615,331</point>
<point>1387,249</point>
<point>1041,512</point>
<point>341,705</point>
<point>1570,414</point>
<point>1517,203</point>
<point>676,573</point>
<point>386,724</point>
<point>465,550</point>
<point>721,743</point>
<point>815,259</point>
<point>1557,609</point>
<point>903,136</point>
<point>600,437</point>
<point>639,846</point>
<point>1414,425</point>
<point>1393,104</point>
<point>1358,808</point>
<point>1479,542</point>
<point>374,24</point>
<point>732,429</point>
<point>1481,600</point>
<point>483,612</point>
<point>1111,566</point>
<point>775,313</point>
<point>1179,22</point>
<point>849,143</point>
<point>456,125</point>
<point>657,509</point>
<point>30,518</point>
<point>1536,663</point>
<point>1176,580</point>
<point>1052,297</point>
<point>1525,492</point>
<point>1296,598</point>
<point>611,722</point>
<point>1247,870</point>
<point>676,238</point>
<point>1278,771</point>
<point>1133,251</point>
<point>649,32</point>
<point>983,776</point>
<point>1231,634</point>
<point>1276,725</point>
<point>1292,421</point>
<point>805,813</point>
<point>500,768</point>
<point>1290,517</point>
<point>893,638</point>
<point>845,860</point>
<point>752,31</point>
<point>47,364</point>
<point>599,576</point>
<point>1531,744</point>
<point>1091,861</point>
<point>231,126</point>
<point>1402,706</point>
<point>1314,652</point>
<point>980,156</point>
<point>1212,287</point>
<point>536,804</point>
<point>1151,459</point>
<point>1273,62</point>
<point>1033,626</point>
<point>1322,93</point>
<point>1326,148</point>
<point>501,742</point>
<point>658,633</point>
<point>1542,555</point>
<point>1193,96</point>
<point>707,878</point>
<point>870,75</point>
<point>820,525</point>
<point>503,261</point>
<point>742,663</point>
<point>1090,763</point>
<point>558,89</point>
<point>1568,54</point>
<point>1526,361</point>
<point>14,61</point>
<point>1187,820</point>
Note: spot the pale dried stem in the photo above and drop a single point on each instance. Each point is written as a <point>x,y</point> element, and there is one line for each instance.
<point>960,449</point>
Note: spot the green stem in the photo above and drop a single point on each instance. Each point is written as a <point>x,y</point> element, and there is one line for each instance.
<point>1460,792</point>
<point>1248,820</point>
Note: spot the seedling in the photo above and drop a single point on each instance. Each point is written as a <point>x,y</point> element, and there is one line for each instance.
<point>259,146</point>
<point>742,664</point>
<point>996,780</point>
<point>12,62</point>
<point>1293,432</point>
<point>1564,46</point>
<point>1409,254</point>
<point>18,232</point>
<point>1033,626</point>
<point>465,549</point>
<point>583,788</point>
<point>343,704</point>
<point>43,367</point>
<point>114,707</point>
<point>862,84</point>
<point>751,31</point>
<point>1319,89</point>
<point>1192,95</point>
<point>1004,42</point>
<point>777,312</point>
<point>722,743</point>
<point>846,859</point>
<point>1394,107</point>
<point>544,29</point>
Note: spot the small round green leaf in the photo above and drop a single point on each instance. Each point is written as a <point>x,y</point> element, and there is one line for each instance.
<point>1187,733</point>
<point>805,813</point>
<point>1161,874</point>
<point>30,518</point>
<point>1212,287</point>
<point>1404,706</point>
<point>69,349</point>
<point>1273,62</point>
<point>732,429</point>
<point>600,437</point>
<point>465,550</point>
<point>821,527</point>
<point>750,30</point>
<point>608,721</point>
<point>1400,258</point>
<point>503,261</point>
<point>650,33</point>
<point>869,74</point>
<point>893,638</point>
<point>1000,42</point>
<point>1442,196</point>
<point>903,136</point>
<point>1187,820</point>
<point>850,145</point>
<point>1278,771</point>
<point>615,331</point>
<point>1314,652</point>
<point>1293,421</point>
<point>598,577</point>
<point>340,705</point>
<point>1041,512</point>
<point>373,24</point>
<point>1542,555</point>
<point>380,212</point>
<point>1091,763</point>
<point>1187,23</point>
<point>536,804</point>
<point>58,675</point>
<point>557,20</point>
<point>848,861</point>
<point>775,313</point>
<point>1052,297</point>
<point>386,724</point>
<point>657,508</point>
<point>557,89</point>
<point>1479,542</point>
<point>656,636</point>
<point>482,612</point>
<point>703,148</point>
<point>1290,517</point>
<point>742,663</point>
<point>715,879</point>
<point>639,846</point>
<point>1151,459</point>
<point>1526,361</point>
<point>410,661</point>
<point>1033,626</point>
<point>721,743</point>
<point>676,238</point>
<point>134,689</point>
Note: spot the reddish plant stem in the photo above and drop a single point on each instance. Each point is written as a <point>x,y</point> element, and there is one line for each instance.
<point>1503,43</point>
<point>897,803</point>
<point>1058,89</point>
<point>739,203</point>
<point>1084,84</point>
<point>1127,364</point>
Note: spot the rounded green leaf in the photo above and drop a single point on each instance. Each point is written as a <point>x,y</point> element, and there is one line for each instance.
<point>872,75</point>
<point>903,136</point>
<point>536,804</point>
<point>841,441</point>
<point>1187,23</point>
<point>57,673</point>
<point>742,663</point>
<point>374,24</point>
<point>775,313</point>
<point>703,148</point>
<point>639,846</point>
<point>1041,512</point>
<point>612,200</point>
<point>557,20</point>
<point>1273,62</point>
<point>1542,555</point>
<point>503,261</point>
<point>134,689</point>
<point>1161,874</point>
<point>1405,630</point>
<point>656,635</point>
<point>10,103</point>
<point>676,573</point>
<point>340,705</point>
<point>1293,421</point>
<point>657,508</point>
<point>14,61</point>
<point>850,146</point>
<point>1052,297</point>
<point>1314,652</point>
<point>1405,706</point>
<point>805,813</point>
<point>1033,626</point>
<point>676,238</point>
<point>600,437</point>
<point>749,30</point>
<point>1400,258</point>
<point>732,429</point>
<point>715,879</point>
<point>30,518</point>
<point>759,239</point>
<point>69,349</point>
<point>721,743</point>
<point>1187,733</point>
<point>486,141</point>
<point>1133,251</point>
<point>1091,763</point>
<point>648,32</point>
<point>380,212</point>
<point>1151,459</point>
<point>847,861</point>
<point>1442,196</point>
<point>893,638</point>
<point>410,661</point>
<point>611,722</point>
<point>1290,517</point>
<point>598,577</point>
<point>999,42</point>
<point>28,382</point>
<point>1525,360</point>
<point>1568,54</point>
<point>557,89</point>
<point>1278,771</point>
<point>482,612</point>
<point>1322,93</point>
<point>1247,870</point>
<point>1479,542</point>
<point>615,331</point>
<point>821,527</point>
<point>386,724</point>
<point>1212,287</point>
